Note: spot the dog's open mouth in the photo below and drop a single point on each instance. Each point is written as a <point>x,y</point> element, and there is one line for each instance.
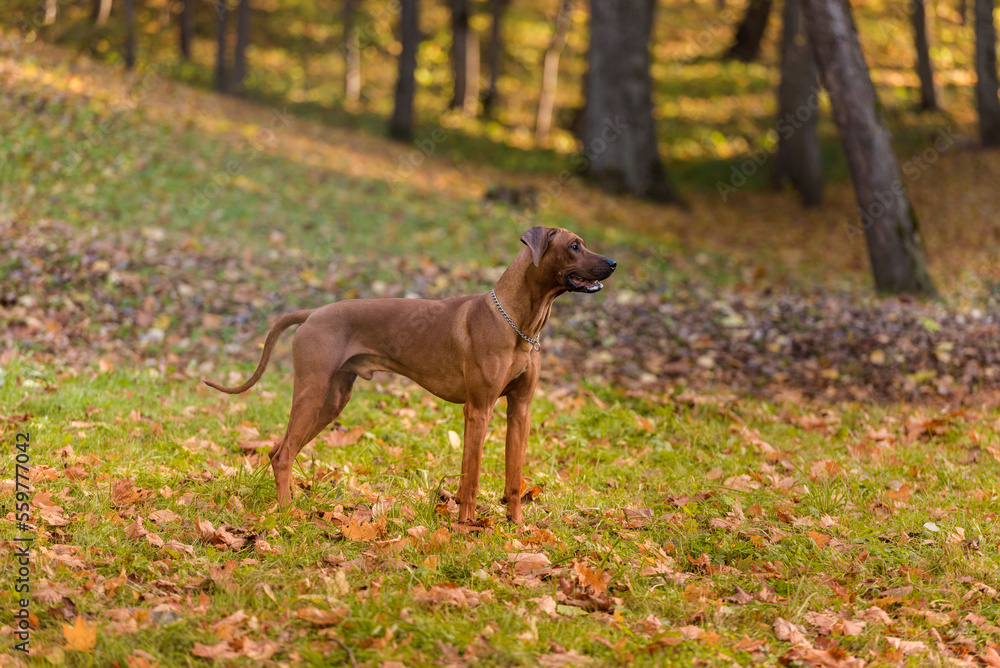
<point>580,284</point>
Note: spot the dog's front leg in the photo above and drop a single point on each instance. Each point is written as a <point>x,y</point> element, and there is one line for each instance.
<point>477,419</point>
<point>518,427</point>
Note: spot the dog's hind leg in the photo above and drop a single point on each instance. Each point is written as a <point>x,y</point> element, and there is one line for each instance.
<point>314,407</point>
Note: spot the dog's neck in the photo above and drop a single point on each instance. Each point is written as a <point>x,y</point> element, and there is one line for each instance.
<point>528,303</point>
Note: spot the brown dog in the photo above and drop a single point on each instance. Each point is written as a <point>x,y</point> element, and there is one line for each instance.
<point>469,350</point>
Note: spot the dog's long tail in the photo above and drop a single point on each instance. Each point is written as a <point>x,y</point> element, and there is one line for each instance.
<point>284,322</point>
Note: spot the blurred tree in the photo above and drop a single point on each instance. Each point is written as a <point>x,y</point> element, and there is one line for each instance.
<point>550,70</point>
<point>798,160</point>
<point>222,20</point>
<point>986,74</point>
<point>888,221</point>
<point>925,68</point>
<point>186,28</point>
<point>497,8</point>
<point>619,135</point>
<point>352,54</point>
<point>129,7</point>
<point>101,9</point>
<point>401,123</point>
<point>237,81</point>
<point>231,81</point>
<point>750,32</point>
<point>464,59</point>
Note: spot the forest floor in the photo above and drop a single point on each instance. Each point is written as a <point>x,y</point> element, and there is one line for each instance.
<point>738,454</point>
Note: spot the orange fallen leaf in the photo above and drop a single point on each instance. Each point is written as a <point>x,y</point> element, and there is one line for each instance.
<point>821,538</point>
<point>81,636</point>
<point>593,578</point>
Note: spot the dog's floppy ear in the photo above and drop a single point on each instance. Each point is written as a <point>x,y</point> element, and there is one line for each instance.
<point>537,240</point>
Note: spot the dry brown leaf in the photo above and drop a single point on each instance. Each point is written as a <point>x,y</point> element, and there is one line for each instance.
<point>564,659</point>
<point>789,632</point>
<point>450,595</point>
<point>906,646</point>
<point>215,652</point>
<point>528,562</point>
<point>322,617</point>
<point>163,515</point>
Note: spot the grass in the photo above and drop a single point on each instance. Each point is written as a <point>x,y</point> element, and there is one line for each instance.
<point>820,526</point>
<point>656,511</point>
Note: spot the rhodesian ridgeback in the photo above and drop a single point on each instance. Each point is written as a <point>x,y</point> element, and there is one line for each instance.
<point>469,350</point>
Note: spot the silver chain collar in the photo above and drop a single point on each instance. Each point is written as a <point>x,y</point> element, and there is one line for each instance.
<point>534,342</point>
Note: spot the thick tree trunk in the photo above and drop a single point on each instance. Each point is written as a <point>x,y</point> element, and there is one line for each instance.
<point>491,98</point>
<point>129,7</point>
<point>750,32</point>
<point>550,70</point>
<point>352,54</point>
<point>986,74</point>
<point>222,21</point>
<point>186,28</point>
<point>242,41</point>
<point>619,134</point>
<point>101,12</point>
<point>401,123</point>
<point>925,68</point>
<point>798,160</point>
<point>464,59</point>
<point>895,247</point>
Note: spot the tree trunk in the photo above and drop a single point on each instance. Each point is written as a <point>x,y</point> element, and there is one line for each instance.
<point>798,159</point>
<point>101,12</point>
<point>550,70</point>
<point>491,98</point>
<point>464,59</point>
<point>221,77</point>
<point>925,68</point>
<point>986,74</point>
<point>963,10</point>
<point>242,41</point>
<point>51,11</point>
<point>352,54</point>
<point>129,7</point>
<point>401,123</point>
<point>620,145</point>
<point>750,32</point>
<point>186,28</point>
<point>895,247</point>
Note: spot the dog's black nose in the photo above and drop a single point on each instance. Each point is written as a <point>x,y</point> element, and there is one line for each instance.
<point>611,263</point>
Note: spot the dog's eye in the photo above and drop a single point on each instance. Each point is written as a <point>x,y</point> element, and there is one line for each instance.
<point>575,247</point>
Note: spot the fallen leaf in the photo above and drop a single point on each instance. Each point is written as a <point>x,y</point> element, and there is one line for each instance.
<point>789,632</point>
<point>81,636</point>
<point>322,617</point>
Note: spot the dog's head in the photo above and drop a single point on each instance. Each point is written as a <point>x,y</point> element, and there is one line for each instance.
<point>566,258</point>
